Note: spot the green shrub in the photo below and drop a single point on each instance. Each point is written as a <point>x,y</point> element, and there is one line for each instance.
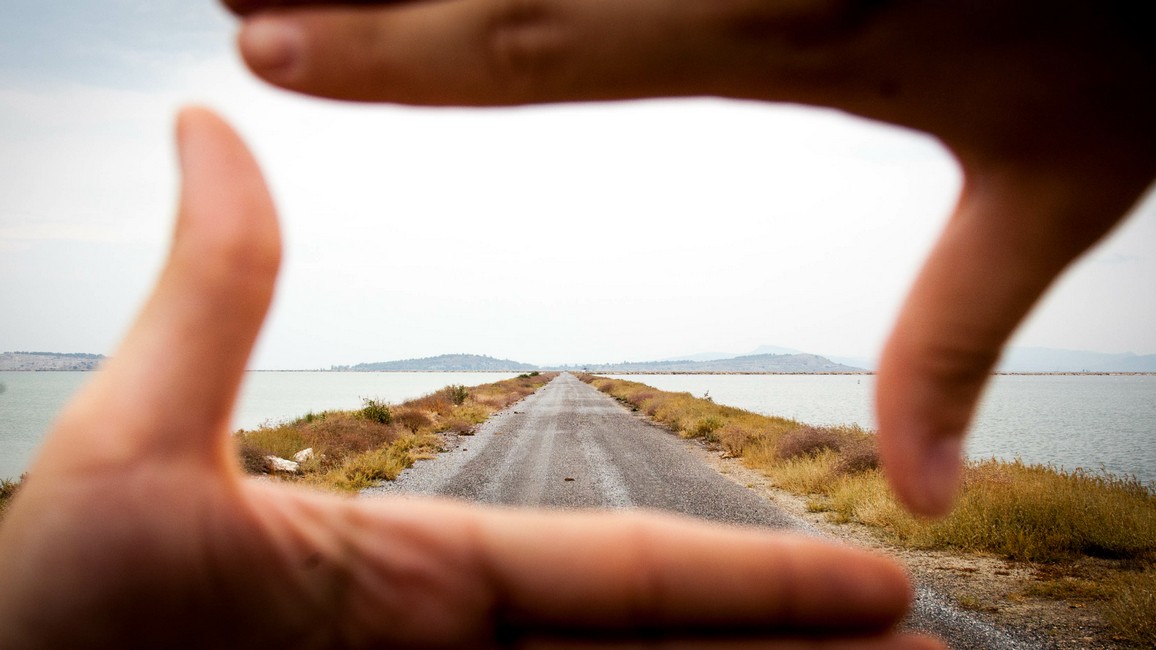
<point>376,411</point>
<point>457,394</point>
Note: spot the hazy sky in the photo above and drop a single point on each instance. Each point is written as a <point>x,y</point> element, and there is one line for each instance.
<point>559,234</point>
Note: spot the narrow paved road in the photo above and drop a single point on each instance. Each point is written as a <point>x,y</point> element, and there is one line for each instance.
<point>570,446</point>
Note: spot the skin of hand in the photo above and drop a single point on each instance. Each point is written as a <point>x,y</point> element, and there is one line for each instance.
<point>1047,106</point>
<point>136,527</point>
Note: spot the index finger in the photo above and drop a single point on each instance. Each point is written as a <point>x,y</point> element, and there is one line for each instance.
<point>502,52</point>
<point>635,574</point>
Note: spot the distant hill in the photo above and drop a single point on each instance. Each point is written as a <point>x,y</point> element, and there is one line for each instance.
<point>47,361</point>
<point>442,363</point>
<point>1016,359</point>
<point>1055,360</point>
<point>770,363</point>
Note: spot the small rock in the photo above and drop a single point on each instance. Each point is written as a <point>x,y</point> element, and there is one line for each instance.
<point>303,455</point>
<point>282,465</point>
<point>569,479</point>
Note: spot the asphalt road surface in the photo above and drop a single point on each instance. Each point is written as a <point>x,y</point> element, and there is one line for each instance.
<point>570,446</point>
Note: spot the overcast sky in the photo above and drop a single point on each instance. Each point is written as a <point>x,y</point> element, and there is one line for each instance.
<point>547,235</point>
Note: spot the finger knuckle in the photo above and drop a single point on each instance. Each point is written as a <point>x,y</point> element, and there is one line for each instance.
<point>523,45</point>
<point>957,369</point>
<point>799,21</point>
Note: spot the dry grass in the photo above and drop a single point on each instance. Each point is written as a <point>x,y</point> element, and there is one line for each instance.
<point>1131,610</point>
<point>355,449</point>
<point>1018,511</point>
<point>8,490</point>
<point>692,417</point>
<point>807,442</point>
<point>1035,513</point>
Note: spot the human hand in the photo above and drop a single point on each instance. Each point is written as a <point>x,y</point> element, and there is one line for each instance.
<point>137,529</point>
<point>1047,106</point>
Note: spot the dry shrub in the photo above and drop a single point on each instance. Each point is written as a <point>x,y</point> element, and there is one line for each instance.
<point>858,456</point>
<point>502,394</point>
<point>252,458</point>
<point>734,437</point>
<point>345,436</point>
<point>458,425</point>
<point>412,419</point>
<point>439,403</point>
<point>808,441</point>
<point>640,397</point>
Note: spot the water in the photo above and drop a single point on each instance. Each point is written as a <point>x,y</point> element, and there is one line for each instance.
<point>28,405</point>
<point>1093,422</point>
<point>30,401</point>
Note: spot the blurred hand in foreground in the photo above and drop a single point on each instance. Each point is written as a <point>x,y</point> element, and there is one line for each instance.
<point>136,528</point>
<point>1047,105</point>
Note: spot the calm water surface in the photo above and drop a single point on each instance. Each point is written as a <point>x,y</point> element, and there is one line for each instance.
<point>30,401</point>
<point>1094,422</point>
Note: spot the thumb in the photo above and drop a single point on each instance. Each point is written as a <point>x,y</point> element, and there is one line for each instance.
<point>169,388</point>
<point>1016,228</point>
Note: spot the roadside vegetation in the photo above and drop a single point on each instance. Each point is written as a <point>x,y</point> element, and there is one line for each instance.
<point>8,490</point>
<point>350,450</point>
<point>1092,537</point>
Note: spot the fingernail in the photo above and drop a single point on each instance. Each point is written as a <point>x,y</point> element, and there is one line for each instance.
<point>271,45</point>
<point>942,465</point>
